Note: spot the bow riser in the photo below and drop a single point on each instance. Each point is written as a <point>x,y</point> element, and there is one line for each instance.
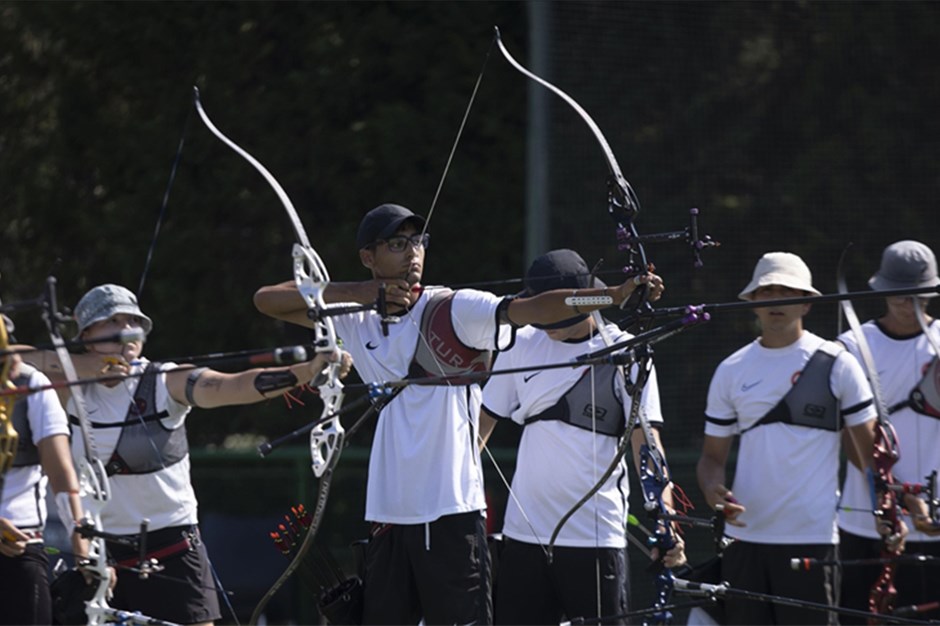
<point>328,437</point>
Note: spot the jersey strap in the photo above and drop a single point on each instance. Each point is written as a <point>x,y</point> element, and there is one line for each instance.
<point>810,402</point>
<point>591,404</point>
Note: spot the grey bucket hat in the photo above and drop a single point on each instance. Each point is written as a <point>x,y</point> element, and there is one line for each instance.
<point>106,300</point>
<point>906,265</point>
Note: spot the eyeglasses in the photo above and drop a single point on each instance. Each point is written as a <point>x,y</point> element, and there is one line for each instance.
<point>398,243</point>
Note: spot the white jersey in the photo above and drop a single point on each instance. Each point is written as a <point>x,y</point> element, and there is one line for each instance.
<point>165,497</point>
<point>787,475</point>
<point>24,488</point>
<point>424,461</point>
<point>900,362</point>
<point>557,463</point>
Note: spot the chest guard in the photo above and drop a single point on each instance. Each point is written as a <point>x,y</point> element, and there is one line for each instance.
<point>145,445</point>
<point>26,451</point>
<point>439,351</point>
<point>925,396</point>
<point>604,415</point>
<point>810,402</point>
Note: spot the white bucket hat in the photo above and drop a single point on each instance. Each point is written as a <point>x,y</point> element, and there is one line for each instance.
<point>780,268</point>
<point>906,265</point>
<point>106,300</point>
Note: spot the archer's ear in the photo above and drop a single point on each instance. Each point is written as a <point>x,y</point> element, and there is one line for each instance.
<point>366,257</point>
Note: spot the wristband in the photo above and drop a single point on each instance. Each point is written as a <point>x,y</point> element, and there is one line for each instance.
<point>274,381</point>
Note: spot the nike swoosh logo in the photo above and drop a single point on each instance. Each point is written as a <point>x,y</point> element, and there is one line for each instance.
<point>526,379</point>
<point>370,346</point>
<point>746,387</point>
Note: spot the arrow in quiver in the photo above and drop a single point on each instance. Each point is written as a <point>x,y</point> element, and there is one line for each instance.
<point>339,597</point>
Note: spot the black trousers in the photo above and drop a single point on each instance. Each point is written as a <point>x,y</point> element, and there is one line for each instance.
<point>25,583</point>
<point>580,582</point>
<point>765,568</point>
<point>438,571</point>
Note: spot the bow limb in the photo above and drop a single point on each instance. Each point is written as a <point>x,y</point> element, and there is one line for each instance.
<point>622,202</point>
<point>653,473</point>
<point>654,478</point>
<point>886,452</point>
<point>93,482</point>
<point>311,279</point>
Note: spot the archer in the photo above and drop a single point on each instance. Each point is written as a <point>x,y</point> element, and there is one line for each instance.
<point>138,418</point>
<point>903,343</point>
<point>573,421</point>
<point>788,395</point>
<point>35,454</point>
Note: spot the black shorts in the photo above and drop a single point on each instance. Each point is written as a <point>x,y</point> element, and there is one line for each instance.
<point>184,592</point>
<point>438,571</point>
<point>529,590</point>
<point>25,582</point>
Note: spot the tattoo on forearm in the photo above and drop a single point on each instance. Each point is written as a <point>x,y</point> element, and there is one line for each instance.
<point>210,383</point>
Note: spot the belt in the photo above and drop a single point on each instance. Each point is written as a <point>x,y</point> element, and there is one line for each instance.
<point>182,545</point>
<point>379,528</point>
<point>33,535</point>
<point>161,543</point>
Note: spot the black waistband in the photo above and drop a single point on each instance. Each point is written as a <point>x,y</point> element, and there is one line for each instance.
<point>156,539</point>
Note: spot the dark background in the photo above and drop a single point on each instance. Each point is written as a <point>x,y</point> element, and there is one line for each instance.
<point>799,126</point>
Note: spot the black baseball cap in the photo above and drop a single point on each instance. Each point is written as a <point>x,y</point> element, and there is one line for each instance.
<point>384,221</point>
<point>559,269</point>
